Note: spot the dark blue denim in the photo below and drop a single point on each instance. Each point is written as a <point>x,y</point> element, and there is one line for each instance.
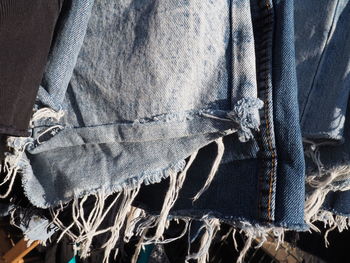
<point>291,168</point>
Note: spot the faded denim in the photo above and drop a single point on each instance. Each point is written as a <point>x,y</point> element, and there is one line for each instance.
<point>147,78</point>
<point>252,175</point>
<point>151,83</point>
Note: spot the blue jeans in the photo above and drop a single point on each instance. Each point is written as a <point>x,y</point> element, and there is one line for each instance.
<point>145,85</point>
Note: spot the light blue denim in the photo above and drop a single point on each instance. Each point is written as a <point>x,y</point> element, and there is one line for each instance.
<point>154,81</point>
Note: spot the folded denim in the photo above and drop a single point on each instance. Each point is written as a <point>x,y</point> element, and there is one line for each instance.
<point>173,88</point>
<point>26,32</point>
<point>132,109</point>
<point>249,174</point>
<point>202,93</point>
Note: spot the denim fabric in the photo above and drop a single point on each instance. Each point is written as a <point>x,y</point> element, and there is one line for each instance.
<point>69,35</point>
<point>338,203</point>
<point>290,193</point>
<point>253,174</point>
<point>150,76</point>
<point>233,196</point>
<point>323,64</point>
<point>145,84</point>
<point>149,83</point>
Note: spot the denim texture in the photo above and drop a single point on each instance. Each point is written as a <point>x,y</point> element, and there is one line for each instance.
<point>172,88</point>
<point>322,59</point>
<point>69,35</point>
<point>163,101</point>
<point>322,44</point>
<point>291,167</point>
<point>250,176</point>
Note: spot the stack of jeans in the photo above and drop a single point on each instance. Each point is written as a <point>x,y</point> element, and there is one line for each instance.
<point>204,112</point>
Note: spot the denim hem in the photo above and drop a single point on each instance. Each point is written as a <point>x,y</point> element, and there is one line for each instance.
<point>235,221</point>
<point>334,212</point>
<point>173,125</point>
<point>323,136</point>
<point>146,178</point>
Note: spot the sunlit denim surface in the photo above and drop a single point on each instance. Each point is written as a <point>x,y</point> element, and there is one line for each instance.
<point>134,89</point>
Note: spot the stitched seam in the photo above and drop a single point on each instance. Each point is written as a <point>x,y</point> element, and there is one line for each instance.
<point>263,58</point>
<point>273,157</point>
<point>269,136</point>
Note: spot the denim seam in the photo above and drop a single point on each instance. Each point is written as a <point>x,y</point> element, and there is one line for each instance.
<point>273,159</point>
<point>144,178</point>
<point>269,137</point>
<point>268,166</point>
<point>187,123</point>
<point>302,114</point>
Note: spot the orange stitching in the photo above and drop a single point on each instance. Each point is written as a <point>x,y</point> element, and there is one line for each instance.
<point>273,157</point>
<point>269,139</point>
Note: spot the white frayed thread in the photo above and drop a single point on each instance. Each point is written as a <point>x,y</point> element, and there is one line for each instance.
<point>214,169</point>
<point>137,223</point>
<point>47,113</point>
<point>332,222</point>
<point>119,222</point>
<point>245,115</point>
<point>247,246</point>
<point>134,217</point>
<point>138,247</point>
<point>211,227</point>
<point>87,226</point>
<point>176,183</point>
<point>234,239</point>
<point>14,163</point>
<point>312,151</point>
<point>323,182</point>
<point>260,235</point>
<point>15,160</point>
<point>52,130</point>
